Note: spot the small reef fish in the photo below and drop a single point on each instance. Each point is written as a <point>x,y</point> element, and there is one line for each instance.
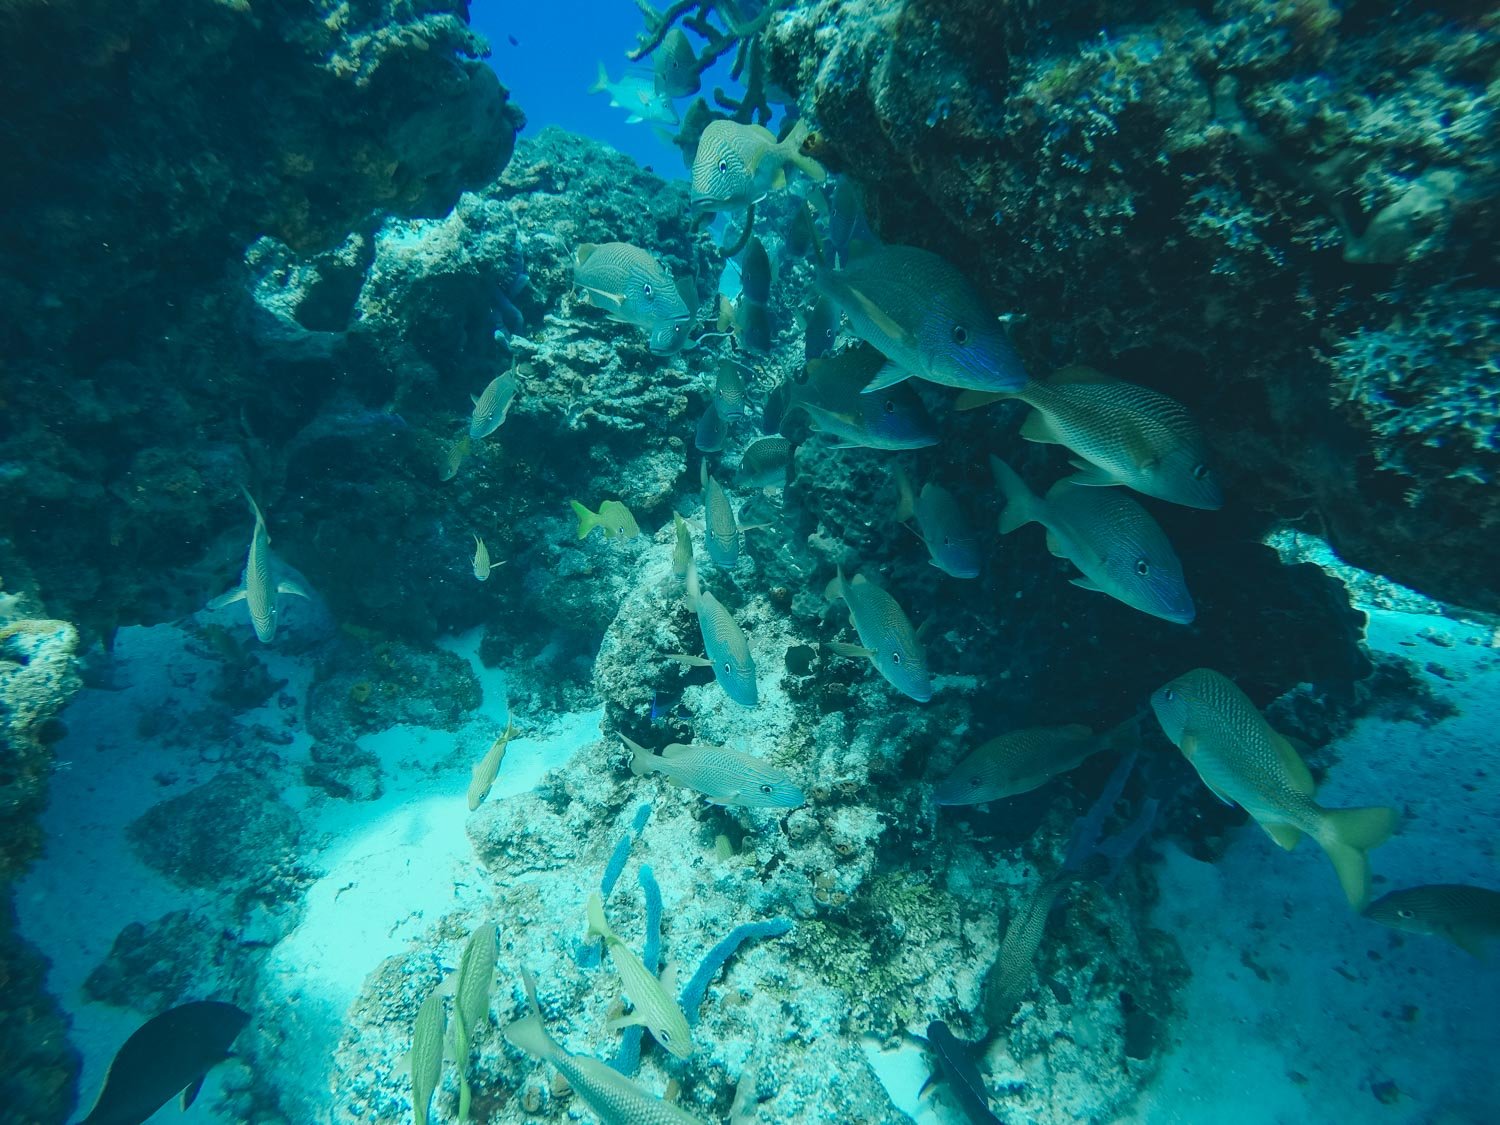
<point>682,549</point>
<point>955,1061</point>
<point>482,775</point>
<point>1120,549</point>
<point>1124,433</point>
<point>428,1036</point>
<point>886,635</point>
<point>942,526</point>
<point>453,458</point>
<point>926,319</point>
<point>847,226</point>
<point>712,430</point>
<point>766,463</point>
<point>629,285</point>
<point>669,336</point>
<point>724,641</point>
<point>652,1007</point>
<point>1009,978</point>
<point>721,775</point>
<point>729,391</point>
<point>1244,762</point>
<point>751,323</point>
<point>721,535</point>
<point>1017,762</point>
<point>755,272</point>
<point>1466,916</point>
<point>801,232</point>
<point>638,96</point>
<point>675,66</point>
<point>491,406</point>
<point>616,1099</point>
<point>613,518</point>
<point>259,586</point>
<point>739,165</point>
<point>821,329</point>
<point>482,564</point>
<point>833,401</point>
<point>168,1054</point>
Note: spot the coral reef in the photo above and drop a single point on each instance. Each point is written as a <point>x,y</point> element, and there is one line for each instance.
<point>1152,185</point>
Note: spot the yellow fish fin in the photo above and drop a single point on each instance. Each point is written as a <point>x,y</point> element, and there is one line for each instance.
<point>1284,835</point>
<point>1469,938</point>
<point>1296,769</point>
<point>1346,835</point>
<point>1036,428</point>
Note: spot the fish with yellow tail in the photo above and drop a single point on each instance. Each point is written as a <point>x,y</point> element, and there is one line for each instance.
<point>260,587</point>
<point>482,564</point>
<point>1120,549</point>
<point>1009,978</point>
<point>739,165</point>
<point>652,1006</point>
<point>886,636</point>
<point>723,776</point>
<point>1467,916</point>
<point>1244,762</point>
<point>616,1099</point>
<point>613,519</point>
<point>1123,434</point>
<point>724,641</point>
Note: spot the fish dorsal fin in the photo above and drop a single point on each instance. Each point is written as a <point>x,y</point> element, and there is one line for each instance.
<point>1296,769</point>
<point>584,252</point>
<point>190,1092</point>
<point>1077,373</point>
<point>676,750</point>
<point>1036,428</point>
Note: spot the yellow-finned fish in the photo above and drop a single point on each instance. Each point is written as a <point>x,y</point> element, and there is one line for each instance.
<point>1245,762</point>
<point>613,518</point>
<point>616,1099</point>
<point>482,775</point>
<point>1017,762</point>
<point>1466,916</point>
<point>260,586</point>
<point>652,1007</point>
<point>492,405</point>
<point>482,564</point>
<point>629,284</point>
<point>1125,434</point>
<point>886,635</point>
<point>724,641</point>
<point>723,776</point>
<point>738,165</point>
<point>925,317</point>
<point>682,549</point>
<point>1120,549</point>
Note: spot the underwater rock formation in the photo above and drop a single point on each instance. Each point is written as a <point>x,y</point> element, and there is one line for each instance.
<point>1152,185</point>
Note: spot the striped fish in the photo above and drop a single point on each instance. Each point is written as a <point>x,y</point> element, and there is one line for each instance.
<point>886,636</point>
<point>651,1005</point>
<point>722,775</point>
<point>721,532</point>
<point>1017,762</point>
<point>259,587</point>
<point>491,407</point>
<point>724,641</point>
<point>1009,978</point>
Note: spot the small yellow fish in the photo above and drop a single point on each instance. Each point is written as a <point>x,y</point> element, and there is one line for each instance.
<point>613,517</point>
<point>482,776</point>
<point>260,586</point>
<point>739,165</point>
<point>652,1007</point>
<point>453,458</point>
<point>682,550</point>
<point>482,564</point>
<point>491,407</point>
<point>722,775</point>
<point>1244,762</point>
<point>721,529</point>
<point>724,641</point>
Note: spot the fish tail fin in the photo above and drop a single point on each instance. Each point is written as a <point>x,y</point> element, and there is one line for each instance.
<point>1346,835</point>
<point>601,83</point>
<point>792,152</point>
<point>587,520</point>
<point>1022,506</point>
<point>529,1033</point>
<point>598,923</point>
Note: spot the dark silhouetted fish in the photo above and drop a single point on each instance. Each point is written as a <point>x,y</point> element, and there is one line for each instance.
<point>169,1053</point>
<point>955,1061</point>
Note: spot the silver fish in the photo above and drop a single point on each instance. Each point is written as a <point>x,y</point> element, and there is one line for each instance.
<point>723,776</point>
<point>721,530</point>
<point>724,641</point>
<point>638,97</point>
<point>260,587</point>
<point>886,636</point>
<point>491,406</point>
<point>629,284</point>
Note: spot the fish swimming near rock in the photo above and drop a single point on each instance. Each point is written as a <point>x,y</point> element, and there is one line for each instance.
<point>729,391</point>
<point>1245,762</point>
<point>482,775</point>
<point>739,165</point>
<point>820,329</point>
<point>886,635</point>
<point>260,587</point>
<point>1017,762</point>
<point>1467,916</point>
<point>453,458</point>
<point>168,1054</point>
<point>1120,549</point>
<point>670,336</point>
<point>834,402</point>
<point>613,518</point>
<point>712,430</point>
<point>766,463</point>
<point>1009,977</point>
<point>652,1006</point>
<point>492,405</point>
<point>723,776</point>
<point>682,548</point>
<point>629,284</point>
<point>925,317</point>
<point>724,641</point>
<point>482,564</point>
<point>955,1061</point>
<point>942,526</point>
<point>638,96</point>
<point>1124,434</point>
<point>616,1099</point>
<point>675,66</point>
<point>847,226</point>
<point>426,1055</point>
<point>721,530</point>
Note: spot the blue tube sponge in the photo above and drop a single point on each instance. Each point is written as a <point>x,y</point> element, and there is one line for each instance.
<point>628,1057</point>
<point>697,988</point>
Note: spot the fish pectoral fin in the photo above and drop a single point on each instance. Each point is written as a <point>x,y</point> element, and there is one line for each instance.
<point>190,1092</point>
<point>287,586</point>
<point>1469,938</point>
<point>1090,476</point>
<point>691,661</point>
<point>973,400</point>
<point>629,1019</point>
<point>1083,582</point>
<point>1054,546</point>
<point>1296,769</point>
<point>230,598</point>
<point>888,376</point>
<point>1284,834</point>
<point>857,652</point>
<point>878,315</point>
<point>1036,428</point>
<point>1219,793</point>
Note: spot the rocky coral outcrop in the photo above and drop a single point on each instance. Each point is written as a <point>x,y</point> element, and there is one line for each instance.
<point>1279,213</point>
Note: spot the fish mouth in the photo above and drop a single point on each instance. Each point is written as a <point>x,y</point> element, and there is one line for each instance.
<point>702,201</point>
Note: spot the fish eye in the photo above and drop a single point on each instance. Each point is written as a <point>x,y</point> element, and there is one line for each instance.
<point>960,334</point>
<point>1142,567</point>
<point>1169,695</point>
<point>890,406</point>
<point>895,658</point>
<point>723,165</point>
<point>765,788</point>
<point>665,1035</point>
<point>973,783</point>
<point>647,289</point>
<point>1200,471</point>
<point>727,668</point>
<point>1407,913</point>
